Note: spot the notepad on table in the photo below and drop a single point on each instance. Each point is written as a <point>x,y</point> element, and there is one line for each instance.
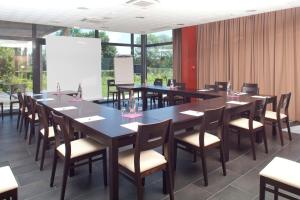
<point>132,126</point>
<point>65,108</point>
<point>240,93</point>
<point>192,112</point>
<point>238,102</point>
<point>46,99</point>
<point>205,90</point>
<point>260,97</point>
<point>90,119</point>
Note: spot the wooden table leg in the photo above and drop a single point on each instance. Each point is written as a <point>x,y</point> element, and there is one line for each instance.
<point>119,99</point>
<point>144,98</point>
<point>160,100</point>
<point>171,99</point>
<point>113,170</point>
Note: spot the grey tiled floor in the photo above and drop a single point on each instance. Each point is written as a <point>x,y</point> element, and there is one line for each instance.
<point>241,182</point>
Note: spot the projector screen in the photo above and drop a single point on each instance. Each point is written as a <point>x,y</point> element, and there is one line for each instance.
<point>74,60</point>
<point>124,70</point>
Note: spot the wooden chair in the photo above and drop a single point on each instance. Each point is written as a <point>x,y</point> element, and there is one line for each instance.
<point>250,88</point>
<point>222,86</point>
<point>281,114</point>
<point>111,89</point>
<point>282,174</point>
<point>252,125</point>
<point>8,184</point>
<point>46,133</point>
<point>14,97</point>
<point>212,87</point>
<point>153,95</point>
<point>200,141</point>
<point>137,163</point>
<point>169,82</point>
<point>73,151</point>
<point>2,112</point>
<point>22,111</point>
<point>32,118</point>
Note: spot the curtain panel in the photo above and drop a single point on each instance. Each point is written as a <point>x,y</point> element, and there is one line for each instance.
<point>177,54</point>
<point>263,49</point>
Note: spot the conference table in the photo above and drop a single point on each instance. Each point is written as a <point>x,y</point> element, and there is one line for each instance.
<point>108,128</point>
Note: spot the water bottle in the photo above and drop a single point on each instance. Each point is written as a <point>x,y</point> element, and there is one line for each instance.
<point>229,88</point>
<point>131,102</point>
<point>79,92</point>
<point>171,84</point>
<point>57,88</point>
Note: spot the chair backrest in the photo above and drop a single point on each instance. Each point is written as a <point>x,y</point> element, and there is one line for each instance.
<point>31,105</point>
<point>151,136</point>
<point>213,119</point>
<point>214,87</point>
<point>180,85</point>
<point>169,82</point>
<point>257,112</point>
<point>21,102</point>
<point>250,88</point>
<point>284,102</point>
<point>61,132</point>
<point>222,86</point>
<point>43,117</point>
<point>158,82</point>
<point>15,88</point>
<point>110,83</point>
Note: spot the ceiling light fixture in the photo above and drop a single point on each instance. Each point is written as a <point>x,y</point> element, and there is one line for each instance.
<point>82,8</point>
<point>180,24</point>
<point>249,11</point>
<point>140,17</point>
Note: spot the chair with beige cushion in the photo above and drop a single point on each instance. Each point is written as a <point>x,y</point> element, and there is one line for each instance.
<point>203,140</point>
<point>252,125</point>
<point>142,161</point>
<point>282,174</point>
<point>46,133</point>
<point>22,111</point>
<point>32,117</point>
<point>73,151</point>
<point>8,184</point>
<point>281,115</point>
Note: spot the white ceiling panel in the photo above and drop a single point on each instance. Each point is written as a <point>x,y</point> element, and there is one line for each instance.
<point>134,16</point>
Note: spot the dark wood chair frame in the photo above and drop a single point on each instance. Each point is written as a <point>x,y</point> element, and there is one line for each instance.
<point>44,124</point>
<point>111,83</point>
<point>10,195</point>
<point>214,87</point>
<point>71,163</point>
<point>283,105</point>
<point>256,112</point>
<point>221,85</point>
<point>213,119</point>
<point>16,88</point>
<point>264,181</point>
<point>2,111</point>
<point>31,106</point>
<point>153,96</point>
<point>21,112</point>
<point>250,88</point>
<point>148,137</point>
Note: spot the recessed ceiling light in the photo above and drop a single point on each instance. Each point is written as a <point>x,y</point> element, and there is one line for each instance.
<point>55,22</point>
<point>82,8</point>
<point>76,27</point>
<point>140,17</point>
<point>249,11</point>
<point>180,24</point>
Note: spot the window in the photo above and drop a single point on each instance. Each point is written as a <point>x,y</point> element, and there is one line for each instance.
<point>116,37</point>
<point>160,37</point>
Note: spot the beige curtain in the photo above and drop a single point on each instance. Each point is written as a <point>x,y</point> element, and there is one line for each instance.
<point>263,49</point>
<point>177,54</point>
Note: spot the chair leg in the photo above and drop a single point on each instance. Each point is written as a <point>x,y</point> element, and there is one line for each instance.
<point>38,147</point>
<point>262,186</point>
<point>280,132</point>
<point>65,178</point>
<point>222,160</point>
<point>194,156</point>
<point>32,130</point>
<point>18,122</point>
<point>21,125</point>
<point>90,165</point>
<point>2,114</point>
<point>252,145</point>
<point>164,174</point>
<point>104,168</point>
<point>289,128</point>
<point>239,140</point>
<point>275,193</point>
<point>45,144</point>
<point>170,183</point>
<point>203,158</point>
<point>140,188</point>
<point>265,140</point>
<point>26,128</point>
<point>175,156</point>
<point>55,157</point>
<point>10,109</point>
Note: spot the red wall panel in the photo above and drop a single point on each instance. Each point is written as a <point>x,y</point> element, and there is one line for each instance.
<point>188,57</point>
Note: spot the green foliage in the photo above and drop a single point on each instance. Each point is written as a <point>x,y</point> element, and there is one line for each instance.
<point>6,64</point>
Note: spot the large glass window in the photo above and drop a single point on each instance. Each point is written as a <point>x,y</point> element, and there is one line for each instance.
<point>116,37</point>
<point>159,56</point>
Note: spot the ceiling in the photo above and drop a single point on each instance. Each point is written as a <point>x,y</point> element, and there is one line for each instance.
<point>133,16</point>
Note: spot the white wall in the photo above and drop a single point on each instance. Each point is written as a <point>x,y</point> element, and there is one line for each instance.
<point>74,60</point>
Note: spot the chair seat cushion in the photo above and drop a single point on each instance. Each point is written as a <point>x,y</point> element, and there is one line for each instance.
<point>193,138</point>
<point>82,147</point>
<point>148,159</point>
<point>50,132</point>
<point>284,171</point>
<point>7,181</point>
<point>273,115</point>
<point>26,110</point>
<point>244,123</point>
<point>36,117</point>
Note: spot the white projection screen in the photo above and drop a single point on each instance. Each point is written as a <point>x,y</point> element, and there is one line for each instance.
<point>124,73</point>
<point>74,60</point>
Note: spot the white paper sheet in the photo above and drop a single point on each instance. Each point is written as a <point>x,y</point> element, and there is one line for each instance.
<point>240,93</point>
<point>238,102</point>
<point>89,119</point>
<point>260,97</point>
<point>46,99</point>
<point>65,108</point>
<point>205,90</point>
<point>132,126</point>
<point>192,112</point>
